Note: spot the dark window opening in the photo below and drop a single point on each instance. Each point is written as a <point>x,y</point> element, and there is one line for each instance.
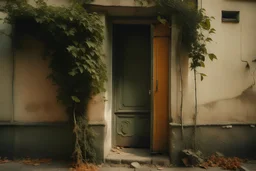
<point>230,16</point>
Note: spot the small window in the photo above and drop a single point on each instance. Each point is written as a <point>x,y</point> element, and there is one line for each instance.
<point>230,16</point>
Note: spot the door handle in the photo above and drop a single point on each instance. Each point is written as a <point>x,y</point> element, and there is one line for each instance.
<point>156,85</point>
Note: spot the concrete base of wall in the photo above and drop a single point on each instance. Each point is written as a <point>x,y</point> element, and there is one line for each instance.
<point>99,131</point>
<point>36,141</point>
<point>55,141</point>
<point>239,141</point>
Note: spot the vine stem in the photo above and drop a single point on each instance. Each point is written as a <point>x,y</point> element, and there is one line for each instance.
<point>181,84</point>
<point>196,112</point>
<point>76,134</point>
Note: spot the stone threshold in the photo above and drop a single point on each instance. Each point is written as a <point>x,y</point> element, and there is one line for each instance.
<point>142,156</point>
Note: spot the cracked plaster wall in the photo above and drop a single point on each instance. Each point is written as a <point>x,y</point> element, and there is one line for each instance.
<point>226,95</point>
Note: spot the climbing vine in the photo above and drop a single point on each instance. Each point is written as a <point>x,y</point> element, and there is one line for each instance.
<point>73,39</point>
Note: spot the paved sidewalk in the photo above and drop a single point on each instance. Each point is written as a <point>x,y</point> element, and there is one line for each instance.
<point>156,169</point>
<point>13,166</point>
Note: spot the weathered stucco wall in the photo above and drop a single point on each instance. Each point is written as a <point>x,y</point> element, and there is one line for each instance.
<point>6,73</point>
<point>226,95</point>
<point>34,94</point>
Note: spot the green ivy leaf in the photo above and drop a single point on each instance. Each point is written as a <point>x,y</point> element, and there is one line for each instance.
<point>90,44</point>
<point>75,99</point>
<point>81,69</point>
<point>71,32</point>
<point>208,39</point>
<point>202,64</point>
<point>70,48</point>
<point>39,20</point>
<point>85,66</point>
<point>204,50</point>
<point>64,27</point>
<point>83,50</point>
<point>212,30</point>
<point>161,20</point>
<point>72,73</point>
<point>206,25</point>
<point>212,56</point>
<point>202,75</point>
<point>75,43</point>
<point>74,54</point>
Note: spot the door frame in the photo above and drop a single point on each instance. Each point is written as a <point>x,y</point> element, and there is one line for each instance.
<point>136,21</point>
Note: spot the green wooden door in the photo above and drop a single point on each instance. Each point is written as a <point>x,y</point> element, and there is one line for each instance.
<point>132,56</point>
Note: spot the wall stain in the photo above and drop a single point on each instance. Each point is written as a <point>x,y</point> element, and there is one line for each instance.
<point>247,96</point>
<point>32,107</point>
<point>47,106</point>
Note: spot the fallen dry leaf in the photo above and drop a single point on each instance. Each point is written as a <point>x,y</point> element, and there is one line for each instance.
<point>185,162</point>
<point>228,163</point>
<point>85,167</point>
<point>4,160</point>
<point>35,162</point>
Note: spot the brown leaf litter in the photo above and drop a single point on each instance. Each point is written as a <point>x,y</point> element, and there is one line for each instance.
<point>216,160</point>
<point>227,163</point>
<point>35,162</point>
<point>4,160</point>
<point>85,167</point>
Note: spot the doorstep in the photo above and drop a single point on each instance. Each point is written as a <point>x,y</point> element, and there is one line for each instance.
<point>142,156</point>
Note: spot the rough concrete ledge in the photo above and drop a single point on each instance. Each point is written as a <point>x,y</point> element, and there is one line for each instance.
<point>248,167</point>
<point>207,125</point>
<point>236,141</point>
<point>127,156</point>
<point>161,161</point>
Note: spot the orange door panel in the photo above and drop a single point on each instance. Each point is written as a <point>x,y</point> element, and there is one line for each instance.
<point>160,84</point>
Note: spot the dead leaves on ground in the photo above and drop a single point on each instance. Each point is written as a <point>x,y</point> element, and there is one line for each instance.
<point>227,163</point>
<point>4,160</point>
<point>28,161</point>
<point>85,167</point>
<point>35,162</point>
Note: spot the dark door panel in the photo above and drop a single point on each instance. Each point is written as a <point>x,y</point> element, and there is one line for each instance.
<point>132,83</point>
